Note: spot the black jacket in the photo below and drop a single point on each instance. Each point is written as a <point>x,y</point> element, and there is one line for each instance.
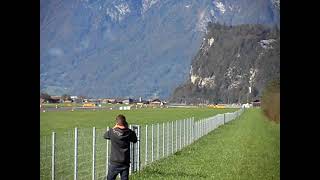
<point>120,145</point>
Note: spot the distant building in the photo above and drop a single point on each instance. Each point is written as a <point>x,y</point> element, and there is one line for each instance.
<point>89,105</point>
<point>156,102</point>
<point>76,99</point>
<point>247,105</point>
<point>95,101</point>
<point>128,101</point>
<point>217,106</point>
<point>256,103</point>
<point>55,99</point>
<point>104,101</point>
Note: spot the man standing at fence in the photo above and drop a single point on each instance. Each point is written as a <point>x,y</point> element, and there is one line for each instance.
<point>120,136</point>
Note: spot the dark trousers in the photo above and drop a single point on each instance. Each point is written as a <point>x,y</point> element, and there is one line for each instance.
<point>114,170</point>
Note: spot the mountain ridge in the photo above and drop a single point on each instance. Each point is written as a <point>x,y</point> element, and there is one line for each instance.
<point>126,47</point>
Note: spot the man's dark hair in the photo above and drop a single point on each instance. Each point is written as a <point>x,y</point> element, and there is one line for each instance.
<point>121,120</point>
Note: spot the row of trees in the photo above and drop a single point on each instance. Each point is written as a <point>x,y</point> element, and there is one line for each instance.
<point>47,97</point>
<point>270,101</point>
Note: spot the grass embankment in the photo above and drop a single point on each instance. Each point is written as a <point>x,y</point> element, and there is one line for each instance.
<point>247,148</point>
<point>270,103</point>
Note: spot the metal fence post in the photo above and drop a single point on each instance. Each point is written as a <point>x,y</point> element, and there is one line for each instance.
<point>107,155</point>
<point>138,146</point>
<point>187,132</point>
<point>75,153</point>
<point>93,152</point>
<point>200,128</point>
<point>158,141</point>
<point>52,155</point>
<point>180,134</point>
<point>206,125</point>
<point>146,159</point>
<point>168,136</point>
<point>190,131</point>
<point>152,143</point>
<point>190,137</point>
<point>202,125</point>
<point>193,129</point>
<point>172,137</point>
<point>162,139</point>
<point>176,135</point>
<point>184,132</point>
<point>131,155</point>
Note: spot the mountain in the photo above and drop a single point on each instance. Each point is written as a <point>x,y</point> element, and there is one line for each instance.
<point>109,48</point>
<point>231,62</point>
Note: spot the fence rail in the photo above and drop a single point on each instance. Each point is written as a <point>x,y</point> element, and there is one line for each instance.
<point>84,153</point>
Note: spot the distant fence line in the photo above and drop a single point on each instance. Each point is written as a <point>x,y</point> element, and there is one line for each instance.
<point>84,153</point>
<point>127,107</point>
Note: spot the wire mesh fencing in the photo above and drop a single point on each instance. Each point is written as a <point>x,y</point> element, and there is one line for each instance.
<point>85,154</point>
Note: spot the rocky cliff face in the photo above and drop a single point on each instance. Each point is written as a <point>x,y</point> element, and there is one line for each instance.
<point>232,65</point>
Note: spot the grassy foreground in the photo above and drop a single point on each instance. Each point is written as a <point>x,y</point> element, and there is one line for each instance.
<point>247,148</point>
<point>63,122</point>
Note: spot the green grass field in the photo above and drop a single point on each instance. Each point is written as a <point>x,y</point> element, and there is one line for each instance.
<point>247,148</point>
<point>63,123</point>
<point>66,120</point>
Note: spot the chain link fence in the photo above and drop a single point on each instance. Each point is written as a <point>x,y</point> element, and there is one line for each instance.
<point>84,153</point>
